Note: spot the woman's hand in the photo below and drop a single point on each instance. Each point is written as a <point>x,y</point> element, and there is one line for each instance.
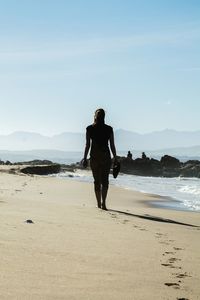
<point>84,162</point>
<point>115,160</point>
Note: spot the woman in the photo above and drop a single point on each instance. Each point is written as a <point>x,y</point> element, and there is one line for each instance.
<point>98,135</point>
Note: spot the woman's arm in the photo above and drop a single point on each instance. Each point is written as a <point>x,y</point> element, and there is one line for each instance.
<point>87,147</point>
<point>112,145</point>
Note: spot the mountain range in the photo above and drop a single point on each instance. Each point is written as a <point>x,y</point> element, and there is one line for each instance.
<point>125,140</point>
<point>157,143</point>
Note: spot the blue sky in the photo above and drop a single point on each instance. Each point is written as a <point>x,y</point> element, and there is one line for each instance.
<point>60,60</point>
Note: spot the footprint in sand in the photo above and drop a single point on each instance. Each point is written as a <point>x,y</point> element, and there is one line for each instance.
<point>181,275</point>
<point>159,235</point>
<point>135,226</point>
<point>173,259</point>
<point>164,243</point>
<point>168,252</point>
<point>125,221</point>
<point>113,216</point>
<point>141,229</point>
<point>168,265</point>
<point>177,248</point>
<point>173,284</point>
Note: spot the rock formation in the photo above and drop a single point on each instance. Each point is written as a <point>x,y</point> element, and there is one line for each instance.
<point>167,166</point>
<point>42,170</point>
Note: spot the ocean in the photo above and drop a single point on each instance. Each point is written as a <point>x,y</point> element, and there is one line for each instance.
<point>186,191</point>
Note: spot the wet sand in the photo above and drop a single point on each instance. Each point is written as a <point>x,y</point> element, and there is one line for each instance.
<point>72,250</point>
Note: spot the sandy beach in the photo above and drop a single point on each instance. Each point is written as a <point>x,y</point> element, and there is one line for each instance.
<point>73,250</point>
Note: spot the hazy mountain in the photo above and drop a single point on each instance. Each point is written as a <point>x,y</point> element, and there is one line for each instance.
<point>125,140</point>
<point>29,141</point>
<point>156,140</point>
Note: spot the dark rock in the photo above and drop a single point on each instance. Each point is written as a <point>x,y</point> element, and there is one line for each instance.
<point>127,165</point>
<point>7,162</point>
<point>29,221</point>
<point>141,166</point>
<point>171,172</point>
<point>41,170</point>
<point>170,161</point>
<point>190,169</point>
<point>168,166</point>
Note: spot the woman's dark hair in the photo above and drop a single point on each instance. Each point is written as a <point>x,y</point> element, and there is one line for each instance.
<point>99,116</point>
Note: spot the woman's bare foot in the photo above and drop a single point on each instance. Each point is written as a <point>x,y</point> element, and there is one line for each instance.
<point>104,207</point>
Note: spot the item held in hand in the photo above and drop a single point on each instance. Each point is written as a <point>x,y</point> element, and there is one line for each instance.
<point>116,169</point>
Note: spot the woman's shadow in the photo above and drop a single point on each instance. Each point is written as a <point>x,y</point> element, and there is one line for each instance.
<point>152,218</point>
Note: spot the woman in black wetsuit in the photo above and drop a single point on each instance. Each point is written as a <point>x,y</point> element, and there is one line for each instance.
<point>99,137</point>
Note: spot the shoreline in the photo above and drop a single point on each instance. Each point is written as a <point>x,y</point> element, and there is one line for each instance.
<point>169,203</point>
<point>182,193</point>
<point>165,202</point>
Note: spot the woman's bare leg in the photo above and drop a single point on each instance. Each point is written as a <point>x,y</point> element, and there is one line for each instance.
<point>98,197</point>
<point>104,192</point>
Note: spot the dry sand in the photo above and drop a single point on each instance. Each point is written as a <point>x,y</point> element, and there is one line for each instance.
<point>75,251</point>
